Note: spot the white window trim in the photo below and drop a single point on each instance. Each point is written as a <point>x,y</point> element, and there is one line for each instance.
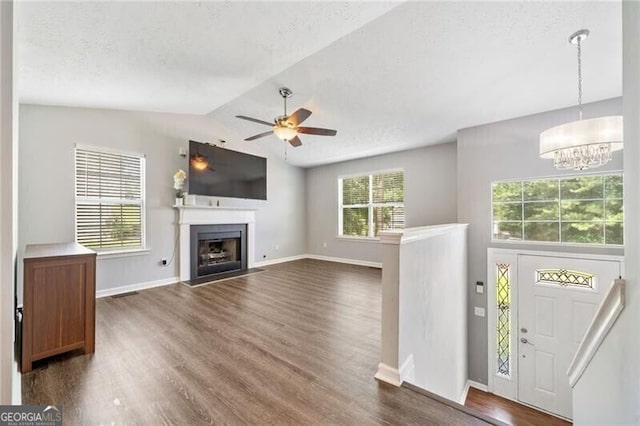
<point>550,243</point>
<point>370,206</point>
<point>125,251</point>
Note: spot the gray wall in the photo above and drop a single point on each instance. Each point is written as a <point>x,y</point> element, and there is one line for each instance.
<point>615,370</point>
<point>505,150</point>
<point>429,196</point>
<point>47,139</point>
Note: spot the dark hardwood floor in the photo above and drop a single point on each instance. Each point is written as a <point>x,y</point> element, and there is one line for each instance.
<point>508,411</point>
<point>297,344</point>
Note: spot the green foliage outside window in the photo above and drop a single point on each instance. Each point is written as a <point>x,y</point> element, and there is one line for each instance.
<point>580,209</point>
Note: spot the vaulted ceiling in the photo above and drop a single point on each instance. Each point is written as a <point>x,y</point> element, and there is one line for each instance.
<point>388,75</point>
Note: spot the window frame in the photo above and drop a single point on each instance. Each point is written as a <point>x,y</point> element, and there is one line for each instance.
<point>553,243</point>
<point>114,252</point>
<point>370,205</point>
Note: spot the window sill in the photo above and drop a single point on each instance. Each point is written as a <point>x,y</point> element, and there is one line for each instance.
<point>358,239</point>
<point>114,254</point>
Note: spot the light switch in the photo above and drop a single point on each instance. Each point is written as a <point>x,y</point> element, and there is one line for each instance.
<point>479,289</point>
<point>478,311</point>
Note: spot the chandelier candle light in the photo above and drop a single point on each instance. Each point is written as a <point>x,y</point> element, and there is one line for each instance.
<point>582,144</point>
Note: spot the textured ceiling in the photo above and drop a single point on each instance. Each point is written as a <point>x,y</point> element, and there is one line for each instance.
<point>388,77</point>
<point>183,57</point>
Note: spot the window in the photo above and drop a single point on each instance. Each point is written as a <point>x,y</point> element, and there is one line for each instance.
<point>584,209</point>
<point>109,199</point>
<point>371,203</point>
<point>503,327</point>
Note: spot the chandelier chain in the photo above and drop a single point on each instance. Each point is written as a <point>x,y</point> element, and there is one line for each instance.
<point>579,43</point>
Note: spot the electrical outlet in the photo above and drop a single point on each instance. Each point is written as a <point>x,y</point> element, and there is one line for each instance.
<point>478,311</point>
<point>277,247</point>
<point>324,245</point>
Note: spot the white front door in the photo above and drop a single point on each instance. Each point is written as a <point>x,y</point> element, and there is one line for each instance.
<point>558,298</point>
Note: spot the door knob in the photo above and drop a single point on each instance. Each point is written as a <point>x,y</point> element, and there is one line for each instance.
<point>524,340</point>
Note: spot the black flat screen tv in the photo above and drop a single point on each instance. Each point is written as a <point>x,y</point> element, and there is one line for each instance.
<point>227,173</point>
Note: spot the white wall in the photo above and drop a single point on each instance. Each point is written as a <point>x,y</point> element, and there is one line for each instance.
<point>432,313</point>
<point>429,196</point>
<point>609,390</point>
<point>47,139</point>
<point>506,150</point>
<point>9,381</point>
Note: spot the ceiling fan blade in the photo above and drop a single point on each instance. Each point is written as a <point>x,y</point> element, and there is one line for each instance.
<point>260,135</point>
<point>317,131</point>
<point>255,120</point>
<point>299,116</point>
<point>295,141</point>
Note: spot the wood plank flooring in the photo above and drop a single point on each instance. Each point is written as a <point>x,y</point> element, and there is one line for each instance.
<point>297,344</point>
<point>508,411</point>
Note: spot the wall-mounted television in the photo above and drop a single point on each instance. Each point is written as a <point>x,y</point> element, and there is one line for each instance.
<point>219,172</point>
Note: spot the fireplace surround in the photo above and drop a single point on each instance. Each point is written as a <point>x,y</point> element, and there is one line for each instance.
<point>187,216</point>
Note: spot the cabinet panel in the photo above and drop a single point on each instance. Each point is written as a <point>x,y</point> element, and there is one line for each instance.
<point>58,304</point>
<point>59,301</point>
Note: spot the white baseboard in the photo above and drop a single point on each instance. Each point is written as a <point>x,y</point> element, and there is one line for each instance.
<point>278,260</point>
<point>151,284</point>
<point>408,370</point>
<point>465,392</point>
<point>471,384</point>
<point>477,385</point>
<point>135,287</point>
<point>345,260</point>
<point>388,375</point>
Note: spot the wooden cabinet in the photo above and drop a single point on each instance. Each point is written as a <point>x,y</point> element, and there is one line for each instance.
<point>59,301</point>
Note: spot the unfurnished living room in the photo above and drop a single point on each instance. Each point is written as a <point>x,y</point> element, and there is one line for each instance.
<point>310,212</point>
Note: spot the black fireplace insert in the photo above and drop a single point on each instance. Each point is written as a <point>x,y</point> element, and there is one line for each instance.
<point>217,249</point>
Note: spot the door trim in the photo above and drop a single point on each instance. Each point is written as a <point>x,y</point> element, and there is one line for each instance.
<point>502,386</point>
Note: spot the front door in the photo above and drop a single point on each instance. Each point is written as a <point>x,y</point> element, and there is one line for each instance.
<point>558,298</point>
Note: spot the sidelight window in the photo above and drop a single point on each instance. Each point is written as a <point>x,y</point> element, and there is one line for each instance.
<point>503,292</point>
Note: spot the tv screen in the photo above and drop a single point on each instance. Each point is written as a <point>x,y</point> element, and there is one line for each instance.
<point>220,172</point>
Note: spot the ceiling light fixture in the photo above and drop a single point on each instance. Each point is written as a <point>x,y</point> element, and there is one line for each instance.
<point>582,144</point>
<point>285,132</point>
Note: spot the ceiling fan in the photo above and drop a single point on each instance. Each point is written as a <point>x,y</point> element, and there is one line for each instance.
<point>287,127</point>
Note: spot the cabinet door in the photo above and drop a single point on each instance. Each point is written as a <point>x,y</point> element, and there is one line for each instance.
<point>58,306</point>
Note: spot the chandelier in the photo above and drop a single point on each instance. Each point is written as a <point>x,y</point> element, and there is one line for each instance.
<point>582,144</point>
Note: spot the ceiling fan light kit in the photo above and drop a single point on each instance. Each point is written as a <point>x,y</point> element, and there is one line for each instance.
<point>287,127</point>
<point>582,144</point>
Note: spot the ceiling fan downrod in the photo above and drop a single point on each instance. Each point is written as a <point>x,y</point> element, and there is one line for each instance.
<point>285,92</point>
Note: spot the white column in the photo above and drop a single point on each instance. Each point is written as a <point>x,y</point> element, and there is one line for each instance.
<point>8,201</point>
<point>388,369</point>
<point>631,111</point>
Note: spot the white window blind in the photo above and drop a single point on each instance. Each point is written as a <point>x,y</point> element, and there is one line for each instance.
<point>371,203</point>
<point>109,199</point>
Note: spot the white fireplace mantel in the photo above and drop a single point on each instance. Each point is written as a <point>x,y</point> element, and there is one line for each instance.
<point>210,215</point>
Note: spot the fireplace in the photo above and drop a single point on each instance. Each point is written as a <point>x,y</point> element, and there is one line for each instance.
<point>217,249</point>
